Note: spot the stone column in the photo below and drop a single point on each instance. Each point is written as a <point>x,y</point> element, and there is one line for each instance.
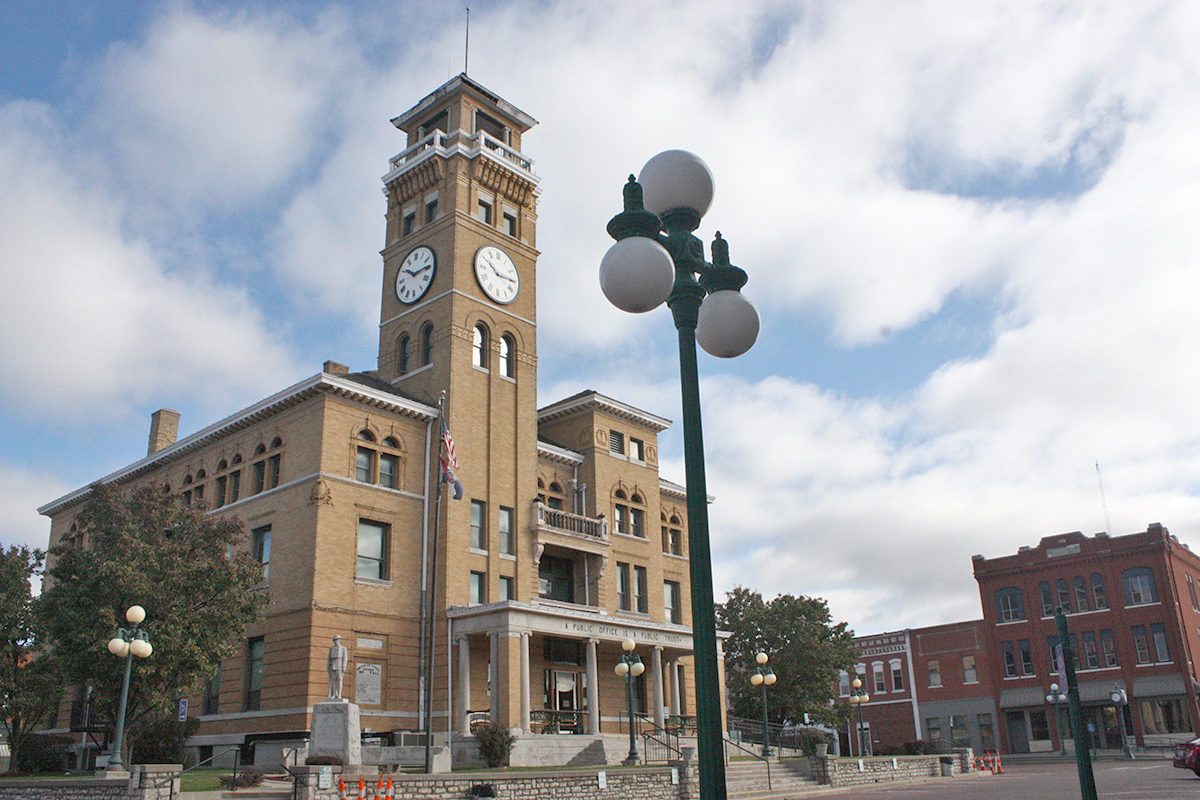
<point>656,671</point>
<point>464,685</point>
<point>494,678</point>
<point>675,706</point>
<point>593,689</point>
<point>525,721</point>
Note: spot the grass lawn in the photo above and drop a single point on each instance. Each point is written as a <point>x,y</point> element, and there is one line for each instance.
<point>203,780</point>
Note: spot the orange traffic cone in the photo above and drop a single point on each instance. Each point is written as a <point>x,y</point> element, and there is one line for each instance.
<point>342,788</point>
<point>999,766</point>
<point>389,788</point>
<point>362,788</point>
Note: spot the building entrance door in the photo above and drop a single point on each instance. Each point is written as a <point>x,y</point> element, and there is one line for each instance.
<point>563,696</point>
<point>1018,733</point>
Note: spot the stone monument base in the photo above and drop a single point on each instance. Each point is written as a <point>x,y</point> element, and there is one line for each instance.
<point>335,731</point>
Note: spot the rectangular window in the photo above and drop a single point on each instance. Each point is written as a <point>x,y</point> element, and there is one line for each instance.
<point>1026,652</point>
<point>212,694</point>
<point>221,483</point>
<point>1091,656</point>
<point>510,224</point>
<point>620,518</point>
<point>261,544</point>
<point>254,673</point>
<point>877,674</point>
<point>671,598</point>
<point>641,590</point>
<point>987,734</point>
<point>843,684</point>
<point>1010,659</point>
<point>672,541</point>
<point>1039,725</point>
<point>623,589</point>
<point>969,675</point>
<point>1098,594</point>
<point>507,588</point>
<point>616,442</point>
<point>637,522</point>
<point>478,525</point>
<point>1158,638</point>
<point>200,493</point>
<point>272,473</point>
<point>372,550</point>
<point>485,212</point>
<point>897,677</point>
<point>410,222</point>
<point>1192,591</point>
<point>1141,644</point>
<point>1164,716</point>
<point>364,464</point>
<point>505,521</point>
<point>258,476</point>
<point>235,486</point>
<point>389,470</point>
<point>1052,645</point>
<point>935,673</point>
<point>959,735</point>
<point>431,211</point>
<point>637,450</point>
<point>933,729</point>
<point>478,588</point>
<point>1108,647</point>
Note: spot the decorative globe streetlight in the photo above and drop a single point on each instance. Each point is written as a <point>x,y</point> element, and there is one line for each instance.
<point>764,677</point>
<point>859,696</point>
<point>1054,699</point>
<point>657,258</point>
<point>629,667</point>
<point>127,644</point>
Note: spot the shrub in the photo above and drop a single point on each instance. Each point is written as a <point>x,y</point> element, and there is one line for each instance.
<point>43,753</point>
<point>244,778</point>
<point>495,743</point>
<point>161,740</point>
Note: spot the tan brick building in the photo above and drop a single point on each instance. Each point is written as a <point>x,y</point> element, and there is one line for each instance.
<point>554,555</point>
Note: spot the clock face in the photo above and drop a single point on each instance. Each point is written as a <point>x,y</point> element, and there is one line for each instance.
<point>415,275</point>
<point>497,274</point>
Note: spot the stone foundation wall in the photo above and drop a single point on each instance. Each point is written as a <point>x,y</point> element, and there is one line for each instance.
<point>887,769</point>
<point>143,782</point>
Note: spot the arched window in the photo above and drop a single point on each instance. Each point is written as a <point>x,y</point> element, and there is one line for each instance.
<point>1099,596</point>
<point>366,435</point>
<point>629,518</point>
<point>479,346</point>
<point>508,357</point>
<point>672,535</point>
<point>1047,599</point>
<point>276,442</point>
<point>1010,604</point>
<point>1081,594</point>
<point>402,355</point>
<point>1139,586</point>
<point>427,344</point>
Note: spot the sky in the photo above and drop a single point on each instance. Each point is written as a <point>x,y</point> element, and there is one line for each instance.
<point>968,229</point>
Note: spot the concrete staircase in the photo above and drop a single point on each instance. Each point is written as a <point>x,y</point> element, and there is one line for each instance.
<point>747,780</point>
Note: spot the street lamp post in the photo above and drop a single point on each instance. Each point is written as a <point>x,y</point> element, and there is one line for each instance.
<point>764,677</point>
<point>657,258</point>
<point>128,642</point>
<point>629,667</point>
<point>1054,698</point>
<point>859,696</point>
<point>1120,699</point>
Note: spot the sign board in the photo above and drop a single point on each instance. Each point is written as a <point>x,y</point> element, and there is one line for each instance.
<point>325,778</point>
<point>183,709</point>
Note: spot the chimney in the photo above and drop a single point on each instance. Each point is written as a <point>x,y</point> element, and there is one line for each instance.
<point>334,368</point>
<point>164,429</point>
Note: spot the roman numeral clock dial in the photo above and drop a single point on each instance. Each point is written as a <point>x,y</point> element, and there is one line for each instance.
<point>415,275</point>
<point>497,274</point>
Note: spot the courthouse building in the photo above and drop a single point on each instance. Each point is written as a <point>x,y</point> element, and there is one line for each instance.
<point>566,540</point>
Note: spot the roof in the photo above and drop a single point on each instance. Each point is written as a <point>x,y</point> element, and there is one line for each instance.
<point>589,400</point>
<point>359,387</point>
<point>523,120</point>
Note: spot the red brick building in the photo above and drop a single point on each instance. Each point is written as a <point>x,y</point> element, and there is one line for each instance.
<point>1134,623</point>
<point>1133,617</point>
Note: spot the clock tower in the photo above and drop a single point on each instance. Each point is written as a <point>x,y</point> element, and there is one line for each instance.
<point>458,316</point>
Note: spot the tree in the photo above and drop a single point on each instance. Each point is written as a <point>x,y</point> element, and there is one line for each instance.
<point>185,568</point>
<point>28,689</point>
<point>806,650</point>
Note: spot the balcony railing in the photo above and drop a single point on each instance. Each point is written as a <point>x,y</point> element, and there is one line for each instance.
<point>469,144</point>
<point>558,521</point>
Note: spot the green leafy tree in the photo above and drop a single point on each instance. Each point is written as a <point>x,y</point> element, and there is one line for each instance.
<point>185,568</point>
<point>28,687</point>
<point>805,646</point>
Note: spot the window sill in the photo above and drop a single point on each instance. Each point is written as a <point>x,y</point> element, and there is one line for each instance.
<point>478,551</point>
<point>508,557</point>
<point>372,581</point>
<point>1143,605</point>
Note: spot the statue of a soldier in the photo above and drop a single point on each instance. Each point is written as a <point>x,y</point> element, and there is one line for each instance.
<point>339,657</point>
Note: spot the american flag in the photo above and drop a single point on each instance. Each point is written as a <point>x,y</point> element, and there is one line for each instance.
<point>450,462</point>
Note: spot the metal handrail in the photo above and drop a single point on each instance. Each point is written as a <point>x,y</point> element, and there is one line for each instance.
<point>760,757</point>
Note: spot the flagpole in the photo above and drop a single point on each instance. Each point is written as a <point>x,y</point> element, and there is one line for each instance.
<point>430,613</point>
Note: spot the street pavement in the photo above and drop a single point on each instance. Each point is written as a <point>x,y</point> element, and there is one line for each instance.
<point>1115,780</point>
